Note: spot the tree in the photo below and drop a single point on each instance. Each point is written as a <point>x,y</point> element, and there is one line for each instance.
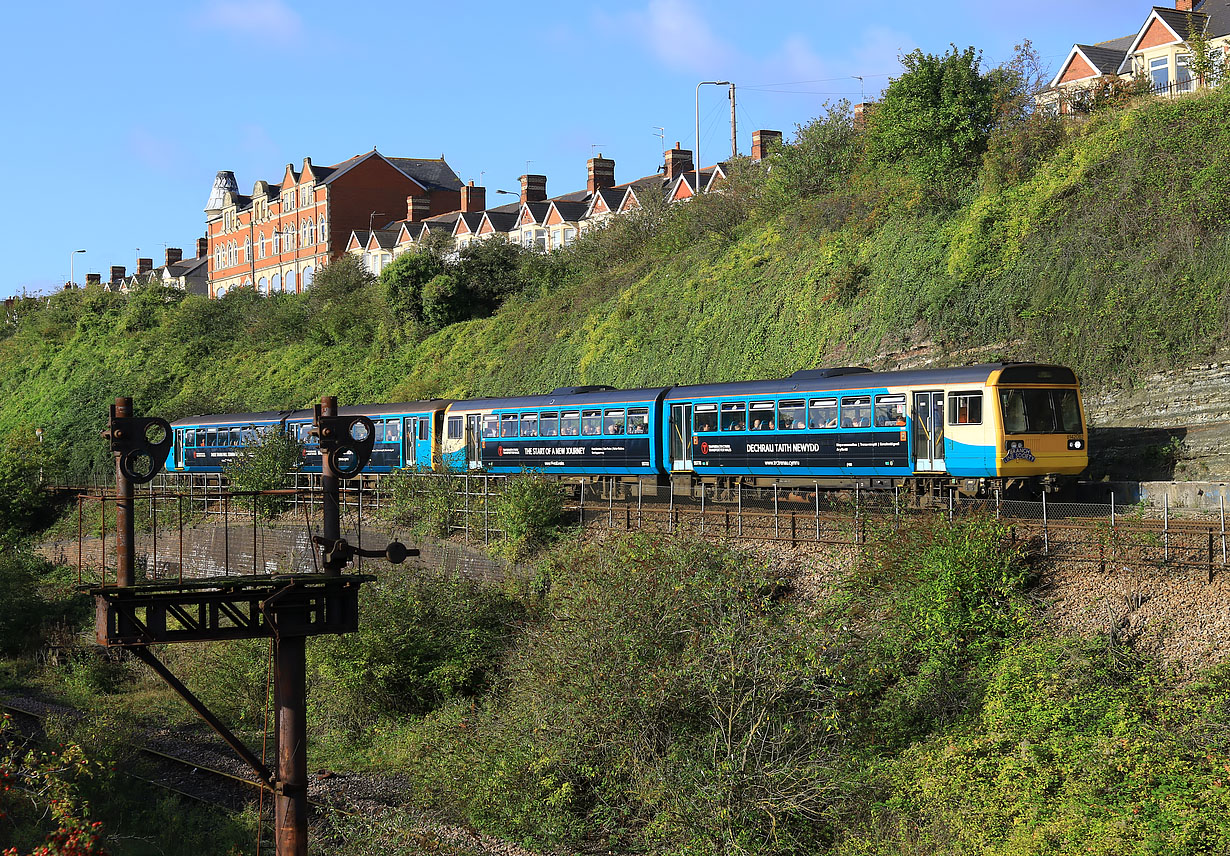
<point>266,465</point>
<point>442,302</point>
<point>822,156</point>
<point>1205,63</point>
<point>402,283</point>
<point>936,117</point>
<point>487,272</point>
<point>343,302</point>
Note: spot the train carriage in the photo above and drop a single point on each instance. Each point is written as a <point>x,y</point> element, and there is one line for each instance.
<point>570,431</point>
<point>976,425</point>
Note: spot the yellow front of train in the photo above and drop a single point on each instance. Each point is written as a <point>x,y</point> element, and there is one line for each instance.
<point>1040,423</point>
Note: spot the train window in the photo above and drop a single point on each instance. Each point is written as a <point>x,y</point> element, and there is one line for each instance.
<point>508,425</point>
<point>591,423</point>
<point>529,424</point>
<point>965,408</point>
<point>638,420</point>
<point>491,427</point>
<point>822,413</point>
<point>570,423</point>
<point>209,437</point>
<point>762,416</point>
<point>856,412</point>
<point>247,435</point>
<point>548,425</point>
<point>890,411</point>
<point>190,437</point>
<point>706,418</point>
<point>791,415</point>
<point>734,416</point>
<point>613,422</point>
<point>1069,410</point>
<point>236,437</point>
<point>455,425</point>
<point>424,428</point>
<point>392,431</point>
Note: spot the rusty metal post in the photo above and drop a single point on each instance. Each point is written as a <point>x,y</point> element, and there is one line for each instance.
<point>290,699</point>
<point>125,529</point>
<point>330,488</point>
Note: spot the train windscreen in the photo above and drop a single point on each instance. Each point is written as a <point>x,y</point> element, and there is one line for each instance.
<point>1040,411</point>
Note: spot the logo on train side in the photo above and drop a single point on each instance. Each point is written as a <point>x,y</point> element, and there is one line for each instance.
<point>1018,451</point>
<point>704,448</point>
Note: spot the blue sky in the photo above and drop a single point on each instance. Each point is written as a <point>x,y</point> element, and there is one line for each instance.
<point>120,114</point>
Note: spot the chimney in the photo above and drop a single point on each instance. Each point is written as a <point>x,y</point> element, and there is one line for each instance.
<point>475,198</point>
<point>533,188</point>
<point>1184,5</point>
<point>860,116</point>
<point>678,161</point>
<point>418,208</point>
<point>601,173</point>
<point>174,254</point>
<point>144,266</point>
<point>763,142</point>
<point>117,275</point>
<point>202,247</point>
<point>93,279</point>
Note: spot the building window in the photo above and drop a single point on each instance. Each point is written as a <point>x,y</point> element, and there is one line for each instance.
<point>288,239</point>
<point>217,256</point>
<point>247,250</point>
<point>306,196</point>
<point>320,237</point>
<point>277,242</point>
<point>290,280</point>
<point>1159,72</point>
<point>262,246</point>
<point>262,285</point>
<point>232,254</point>
<point>1183,72</point>
<point>275,283</point>
<point>309,233</point>
<point>570,235</point>
<point>307,276</point>
<point>288,202</point>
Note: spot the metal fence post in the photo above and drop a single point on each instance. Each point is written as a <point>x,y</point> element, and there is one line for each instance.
<point>776,522</point>
<point>486,509</point>
<point>739,517</point>
<point>950,501</point>
<point>997,512</point>
<point>817,511</point>
<point>467,515</point>
<point>670,511</point>
<point>1166,527</point>
<point>702,509</point>
<point>1046,537</point>
<point>896,506</point>
<point>610,504</point>
<point>640,494</point>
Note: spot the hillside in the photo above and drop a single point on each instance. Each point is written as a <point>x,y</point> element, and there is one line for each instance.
<point>1099,243</point>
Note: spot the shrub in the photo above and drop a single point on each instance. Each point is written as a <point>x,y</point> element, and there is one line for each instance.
<point>266,464</point>
<point>528,508</point>
<point>430,503</point>
<point>823,155</point>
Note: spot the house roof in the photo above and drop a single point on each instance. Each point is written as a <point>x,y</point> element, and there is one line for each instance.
<point>570,211</point>
<point>432,173</point>
<point>1105,60</point>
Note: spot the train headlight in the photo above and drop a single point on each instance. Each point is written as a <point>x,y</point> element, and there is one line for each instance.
<point>1076,445</point>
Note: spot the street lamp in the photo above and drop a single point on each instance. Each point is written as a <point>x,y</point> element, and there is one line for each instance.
<point>70,265</point>
<point>698,86</point>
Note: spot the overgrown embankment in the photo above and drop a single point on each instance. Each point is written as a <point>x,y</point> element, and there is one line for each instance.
<point>1101,244</point>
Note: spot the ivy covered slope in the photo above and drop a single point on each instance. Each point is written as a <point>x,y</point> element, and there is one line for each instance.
<point>987,232</point>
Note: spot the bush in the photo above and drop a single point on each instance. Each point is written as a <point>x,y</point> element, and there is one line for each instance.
<point>22,609</point>
<point>822,157</point>
<point>528,508</point>
<point>267,464</point>
<point>430,503</point>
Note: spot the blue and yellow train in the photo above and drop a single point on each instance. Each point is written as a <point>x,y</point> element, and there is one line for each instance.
<point>973,427</point>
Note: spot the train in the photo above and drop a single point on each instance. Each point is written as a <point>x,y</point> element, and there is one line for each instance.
<point>1005,426</point>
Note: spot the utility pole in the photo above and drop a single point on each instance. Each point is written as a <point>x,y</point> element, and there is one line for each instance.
<point>734,139</point>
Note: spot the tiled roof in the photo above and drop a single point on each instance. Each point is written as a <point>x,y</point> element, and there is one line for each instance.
<point>432,173</point>
<point>1105,60</point>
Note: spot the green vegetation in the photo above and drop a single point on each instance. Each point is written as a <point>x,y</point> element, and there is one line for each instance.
<point>265,466</point>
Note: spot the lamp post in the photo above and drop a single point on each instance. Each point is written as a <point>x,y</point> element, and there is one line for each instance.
<point>70,266</point>
<point>698,86</point>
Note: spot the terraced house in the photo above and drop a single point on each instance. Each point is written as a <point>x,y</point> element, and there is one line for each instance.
<point>277,237</point>
<point>1160,53</point>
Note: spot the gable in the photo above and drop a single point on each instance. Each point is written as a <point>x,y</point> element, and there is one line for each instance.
<point>289,179</point>
<point>462,227</point>
<point>373,243</point>
<point>485,227</point>
<point>1157,34</point>
<point>683,190</point>
<point>527,217</point>
<point>630,202</point>
<point>353,243</point>
<point>553,218</point>
<point>600,206</point>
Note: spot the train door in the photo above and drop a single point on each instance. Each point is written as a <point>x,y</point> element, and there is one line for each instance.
<point>473,455</point>
<point>408,445</point>
<point>681,437</point>
<point>179,449</point>
<point>929,432</point>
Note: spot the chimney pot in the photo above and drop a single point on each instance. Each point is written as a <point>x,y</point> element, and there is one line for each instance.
<point>418,208</point>
<point>762,141</point>
<point>601,173</point>
<point>533,188</point>
<point>678,161</point>
<point>473,198</point>
<point>174,254</point>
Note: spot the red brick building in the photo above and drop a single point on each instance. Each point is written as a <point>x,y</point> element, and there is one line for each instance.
<point>280,235</point>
